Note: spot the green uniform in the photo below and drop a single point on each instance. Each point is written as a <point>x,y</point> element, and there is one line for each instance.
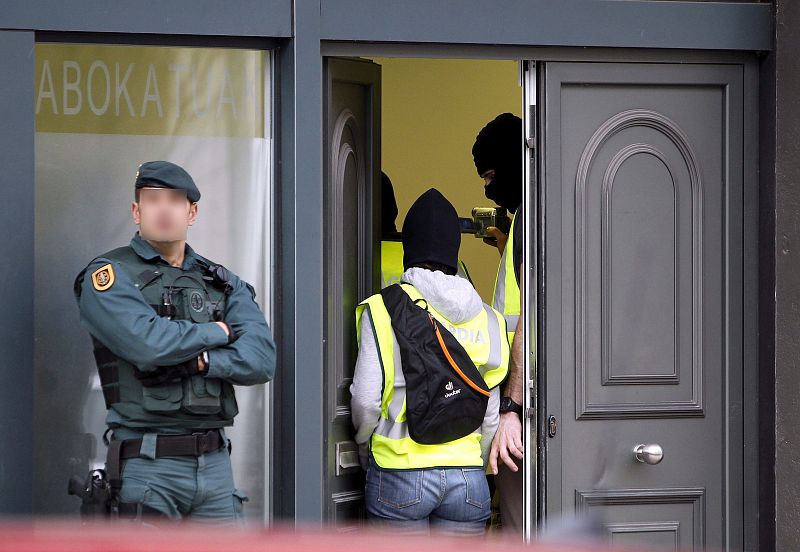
<point>145,317</point>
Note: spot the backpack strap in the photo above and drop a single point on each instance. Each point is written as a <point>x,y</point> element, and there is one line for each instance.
<point>400,305</point>
<point>452,362</point>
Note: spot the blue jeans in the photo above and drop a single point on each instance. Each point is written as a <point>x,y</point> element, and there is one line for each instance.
<point>452,501</point>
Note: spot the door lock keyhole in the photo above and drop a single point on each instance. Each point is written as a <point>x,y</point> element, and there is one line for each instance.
<point>552,426</point>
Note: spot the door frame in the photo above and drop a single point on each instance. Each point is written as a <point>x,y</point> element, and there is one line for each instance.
<point>269,46</point>
<point>750,70</point>
<point>340,71</point>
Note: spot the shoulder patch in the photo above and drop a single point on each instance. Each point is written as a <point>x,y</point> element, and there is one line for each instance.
<point>103,278</point>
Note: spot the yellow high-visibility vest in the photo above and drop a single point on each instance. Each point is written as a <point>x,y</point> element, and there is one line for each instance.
<point>506,290</point>
<point>392,264</point>
<point>484,339</point>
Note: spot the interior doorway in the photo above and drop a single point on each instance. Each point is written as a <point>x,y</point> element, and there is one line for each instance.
<point>415,120</point>
<point>432,110</point>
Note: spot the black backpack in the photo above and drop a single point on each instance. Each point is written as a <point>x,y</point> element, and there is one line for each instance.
<point>446,396</point>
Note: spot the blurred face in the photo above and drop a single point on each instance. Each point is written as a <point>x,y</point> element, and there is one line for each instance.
<point>163,214</point>
<point>487,177</point>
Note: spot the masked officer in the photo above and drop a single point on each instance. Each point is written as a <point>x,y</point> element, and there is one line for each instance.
<point>498,153</point>
<point>172,333</point>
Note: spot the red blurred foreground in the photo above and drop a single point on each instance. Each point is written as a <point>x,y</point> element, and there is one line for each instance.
<point>44,536</point>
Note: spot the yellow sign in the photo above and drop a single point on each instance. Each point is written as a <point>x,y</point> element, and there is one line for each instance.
<point>149,90</point>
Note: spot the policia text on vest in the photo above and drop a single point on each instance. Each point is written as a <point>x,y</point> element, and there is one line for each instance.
<point>172,333</point>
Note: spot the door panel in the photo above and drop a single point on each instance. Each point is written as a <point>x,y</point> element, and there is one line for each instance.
<point>642,197</point>
<point>352,156</point>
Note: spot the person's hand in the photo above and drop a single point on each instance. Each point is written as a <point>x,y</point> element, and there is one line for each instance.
<point>507,442</point>
<point>228,330</point>
<point>225,327</point>
<point>363,457</point>
<point>170,374</point>
<point>498,240</point>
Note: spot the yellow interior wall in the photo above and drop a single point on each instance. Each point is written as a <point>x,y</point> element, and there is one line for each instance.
<point>432,109</point>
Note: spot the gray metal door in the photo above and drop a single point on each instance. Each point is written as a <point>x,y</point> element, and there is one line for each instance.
<point>352,272</point>
<point>641,322</point>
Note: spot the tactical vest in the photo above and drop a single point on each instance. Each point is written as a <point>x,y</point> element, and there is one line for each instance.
<point>195,402</point>
<point>485,341</point>
<point>506,289</point>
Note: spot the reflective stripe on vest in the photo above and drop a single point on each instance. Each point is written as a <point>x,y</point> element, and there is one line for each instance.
<point>392,264</point>
<point>391,445</point>
<point>506,289</point>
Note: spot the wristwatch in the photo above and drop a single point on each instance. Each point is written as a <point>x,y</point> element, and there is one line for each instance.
<point>507,404</point>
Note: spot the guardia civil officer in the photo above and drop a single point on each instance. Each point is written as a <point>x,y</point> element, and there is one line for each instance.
<point>172,333</point>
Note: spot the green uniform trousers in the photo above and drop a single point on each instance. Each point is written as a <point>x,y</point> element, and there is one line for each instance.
<point>180,488</point>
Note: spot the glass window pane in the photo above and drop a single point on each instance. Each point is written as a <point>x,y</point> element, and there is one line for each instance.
<point>101,111</point>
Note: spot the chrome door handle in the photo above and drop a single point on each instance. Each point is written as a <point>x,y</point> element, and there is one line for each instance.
<point>346,458</point>
<point>648,454</point>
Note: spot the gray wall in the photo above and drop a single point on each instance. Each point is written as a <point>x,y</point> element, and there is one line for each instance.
<point>577,23</point>
<point>16,293</point>
<point>787,276</point>
<point>591,23</point>
<point>766,304</point>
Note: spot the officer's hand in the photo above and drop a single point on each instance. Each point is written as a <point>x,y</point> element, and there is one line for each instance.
<point>499,239</point>
<point>169,374</point>
<point>228,331</point>
<point>225,327</point>
<point>507,442</point>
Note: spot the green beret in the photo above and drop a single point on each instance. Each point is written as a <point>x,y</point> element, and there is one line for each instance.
<point>163,174</point>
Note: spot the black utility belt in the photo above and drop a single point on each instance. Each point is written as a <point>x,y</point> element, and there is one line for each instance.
<point>195,444</point>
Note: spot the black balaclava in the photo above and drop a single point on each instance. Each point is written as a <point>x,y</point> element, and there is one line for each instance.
<point>431,232</point>
<point>388,208</point>
<point>499,146</point>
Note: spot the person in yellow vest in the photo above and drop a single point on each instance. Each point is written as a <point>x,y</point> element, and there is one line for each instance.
<point>498,154</point>
<point>422,488</point>
<point>391,244</point>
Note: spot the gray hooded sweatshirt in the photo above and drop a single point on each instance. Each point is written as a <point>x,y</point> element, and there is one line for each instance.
<point>456,300</point>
